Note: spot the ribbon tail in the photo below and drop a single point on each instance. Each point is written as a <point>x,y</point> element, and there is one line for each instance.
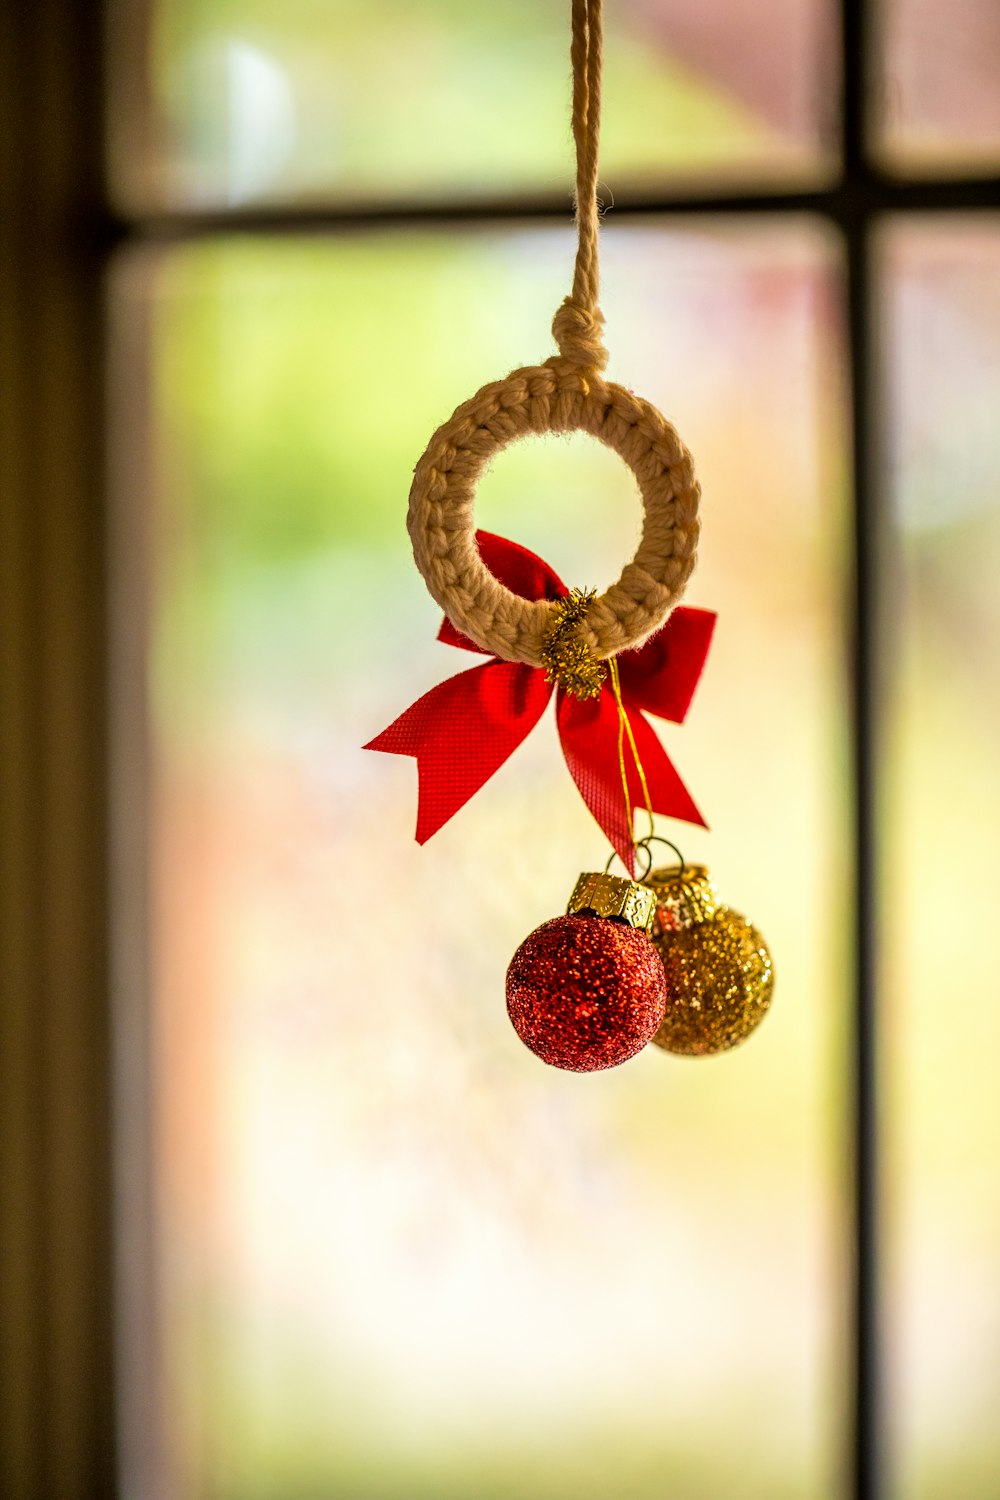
<point>667,793</point>
<point>662,675</point>
<point>588,732</point>
<point>462,731</point>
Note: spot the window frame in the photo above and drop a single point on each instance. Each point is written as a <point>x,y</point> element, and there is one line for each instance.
<point>69,906</point>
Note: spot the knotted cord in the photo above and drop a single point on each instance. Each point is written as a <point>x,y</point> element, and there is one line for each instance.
<point>578,325</point>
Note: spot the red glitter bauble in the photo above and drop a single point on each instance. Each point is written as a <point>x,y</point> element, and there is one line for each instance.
<point>586,993</point>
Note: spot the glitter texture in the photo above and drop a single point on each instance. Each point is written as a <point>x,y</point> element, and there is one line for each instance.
<point>585,993</point>
<point>567,659</point>
<point>719,981</point>
<point>719,972</point>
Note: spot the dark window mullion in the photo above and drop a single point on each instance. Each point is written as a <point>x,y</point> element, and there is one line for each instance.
<point>863,194</point>
<point>866,668</point>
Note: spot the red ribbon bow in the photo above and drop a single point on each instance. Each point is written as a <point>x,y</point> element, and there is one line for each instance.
<point>463,730</point>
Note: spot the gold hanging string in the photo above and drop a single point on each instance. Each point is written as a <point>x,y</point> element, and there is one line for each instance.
<point>625,730</point>
<point>578,325</point>
<point>622,720</point>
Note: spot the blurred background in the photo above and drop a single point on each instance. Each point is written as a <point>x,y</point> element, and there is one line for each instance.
<point>368,1246</point>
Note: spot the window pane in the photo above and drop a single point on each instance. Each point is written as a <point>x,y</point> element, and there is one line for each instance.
<point>943,1025</point>
<point>396,1254</point>
<point>938,101</point>
<point>358,101</point>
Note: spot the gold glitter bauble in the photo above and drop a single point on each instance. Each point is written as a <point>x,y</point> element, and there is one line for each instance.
<point>720,977</point>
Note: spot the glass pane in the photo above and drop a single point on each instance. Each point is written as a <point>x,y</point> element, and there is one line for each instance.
<point>396,1254</point>
<point>943,1026</point>
<point>251,101</point>
<point>938,102</point>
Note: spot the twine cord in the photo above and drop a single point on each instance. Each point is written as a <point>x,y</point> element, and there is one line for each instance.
<point>578,325</point>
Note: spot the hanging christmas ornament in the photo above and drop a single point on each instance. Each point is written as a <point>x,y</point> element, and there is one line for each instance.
<point>717,966</point>
<point>588,990</point>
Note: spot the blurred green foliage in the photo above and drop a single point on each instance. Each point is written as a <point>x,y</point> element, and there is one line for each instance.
<point>408,96</point>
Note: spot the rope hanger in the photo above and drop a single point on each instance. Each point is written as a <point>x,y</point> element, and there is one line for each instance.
<point>579,324</point>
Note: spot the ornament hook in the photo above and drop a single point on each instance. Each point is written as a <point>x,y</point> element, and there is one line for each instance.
<point>643,844</point>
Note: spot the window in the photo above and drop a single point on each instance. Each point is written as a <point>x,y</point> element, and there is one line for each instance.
<point>360,1244</point>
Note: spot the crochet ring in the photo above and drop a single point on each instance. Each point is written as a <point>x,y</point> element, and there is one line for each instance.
<point>553,397</point>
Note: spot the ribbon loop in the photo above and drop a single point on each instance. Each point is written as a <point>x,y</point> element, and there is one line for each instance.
<point>462,731</point>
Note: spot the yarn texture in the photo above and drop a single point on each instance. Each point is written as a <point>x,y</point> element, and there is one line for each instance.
<point>567,393</point>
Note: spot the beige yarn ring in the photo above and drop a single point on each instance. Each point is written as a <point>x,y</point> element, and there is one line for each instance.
<point>565,394</point>
<point>539,399</point>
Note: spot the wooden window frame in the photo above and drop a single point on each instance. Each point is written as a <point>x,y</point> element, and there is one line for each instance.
<point>60,1397</point>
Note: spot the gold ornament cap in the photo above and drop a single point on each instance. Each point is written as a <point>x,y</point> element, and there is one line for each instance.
<point>597,894</point>
<point>683,896</point>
